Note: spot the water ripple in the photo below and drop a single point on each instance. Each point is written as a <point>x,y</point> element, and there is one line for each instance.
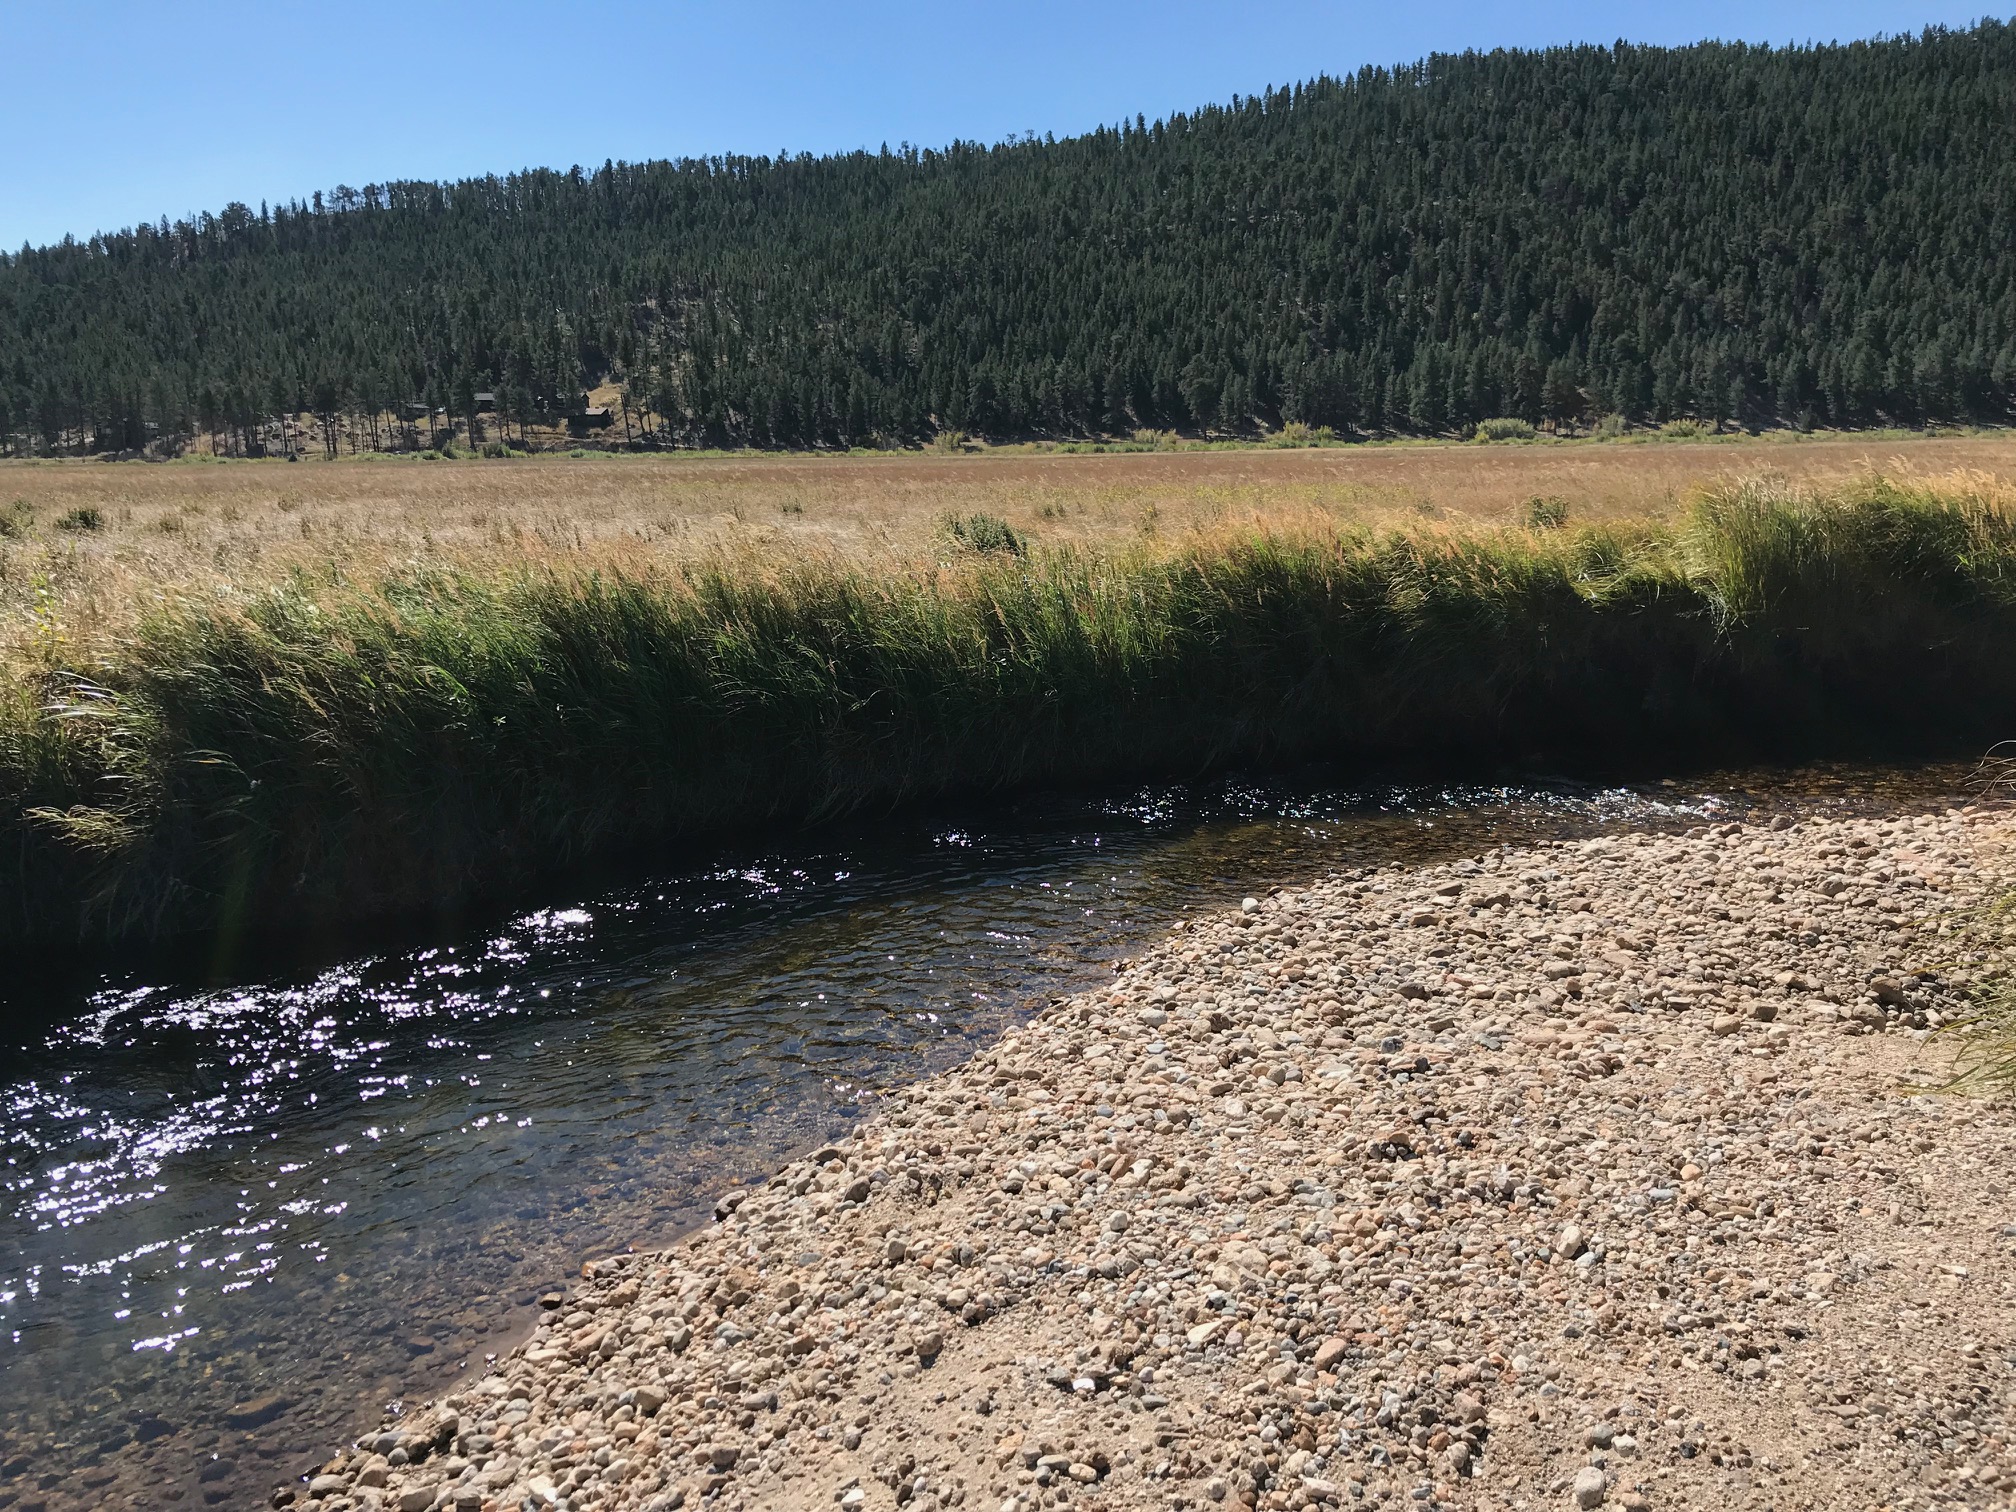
<point>341,1187</point>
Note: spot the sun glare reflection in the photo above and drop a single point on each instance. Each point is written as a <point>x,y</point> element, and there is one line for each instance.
<point>359,1175</point>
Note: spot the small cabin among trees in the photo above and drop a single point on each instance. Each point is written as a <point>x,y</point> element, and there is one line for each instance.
<point>594,417</point>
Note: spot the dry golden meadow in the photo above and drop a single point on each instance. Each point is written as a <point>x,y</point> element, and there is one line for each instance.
<point>151,531</point>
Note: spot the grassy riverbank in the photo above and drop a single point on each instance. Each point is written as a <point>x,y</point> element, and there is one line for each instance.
<point>87,547</point>
<point>343,744</point>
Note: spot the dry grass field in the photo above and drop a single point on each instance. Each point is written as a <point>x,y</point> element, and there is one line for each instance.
<point>87,547</point>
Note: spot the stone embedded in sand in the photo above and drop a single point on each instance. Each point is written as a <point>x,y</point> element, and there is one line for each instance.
<point>1347,1289</point>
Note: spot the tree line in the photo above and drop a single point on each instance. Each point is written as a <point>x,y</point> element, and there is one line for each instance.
<point>1767,236</point>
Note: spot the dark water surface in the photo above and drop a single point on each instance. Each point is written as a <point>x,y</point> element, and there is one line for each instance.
<point>237,1221</point>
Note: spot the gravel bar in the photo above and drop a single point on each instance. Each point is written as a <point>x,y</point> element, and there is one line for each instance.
<point>1598,1173</point>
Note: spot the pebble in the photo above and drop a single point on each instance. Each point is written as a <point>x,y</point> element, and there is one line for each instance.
<point>1580,1171</point>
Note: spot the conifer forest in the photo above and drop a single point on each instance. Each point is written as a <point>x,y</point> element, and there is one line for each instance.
<point>1743,235</point>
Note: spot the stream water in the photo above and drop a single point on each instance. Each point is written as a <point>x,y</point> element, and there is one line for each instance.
<point>239,1220</point>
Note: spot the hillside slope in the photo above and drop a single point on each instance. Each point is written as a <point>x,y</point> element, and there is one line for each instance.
<point>1772,235</point>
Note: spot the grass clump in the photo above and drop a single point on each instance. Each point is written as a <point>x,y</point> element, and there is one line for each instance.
<point>1546,512</point>
<point>16,519</point>
<point>1984,1057</point>
<point>354,744</point>
<point>984,533</point>
<point>83,519</point>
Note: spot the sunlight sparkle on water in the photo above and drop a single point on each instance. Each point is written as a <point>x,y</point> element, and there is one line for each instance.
<point>189,1159</point>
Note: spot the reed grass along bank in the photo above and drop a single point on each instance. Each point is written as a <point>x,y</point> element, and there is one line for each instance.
<point>331,747</point>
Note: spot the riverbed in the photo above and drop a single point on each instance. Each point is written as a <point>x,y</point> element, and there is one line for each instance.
<point>241,1217</point>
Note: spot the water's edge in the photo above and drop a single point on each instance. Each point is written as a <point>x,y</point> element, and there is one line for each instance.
<point>251,1215</point>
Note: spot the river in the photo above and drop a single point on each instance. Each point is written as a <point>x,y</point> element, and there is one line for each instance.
<point>240,1219</point>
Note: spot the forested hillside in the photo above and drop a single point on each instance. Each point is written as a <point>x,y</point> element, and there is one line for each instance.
<point>1806,236</point>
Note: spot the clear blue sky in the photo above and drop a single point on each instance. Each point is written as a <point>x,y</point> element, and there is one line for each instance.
<point>121,110</point>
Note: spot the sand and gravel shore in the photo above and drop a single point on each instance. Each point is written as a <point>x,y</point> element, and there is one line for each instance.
<point>1596,1174</point>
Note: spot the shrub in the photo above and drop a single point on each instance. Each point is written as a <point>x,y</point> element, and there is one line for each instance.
<point>1154,440</point>
<point>981,532</point>
<point>84,517</point>
<point>1298,433</point>
<point>15,520</point>
<point>1684,430</point>
<point>1610,427</point>
<point>495,450</point>
<point>1505,428</point>
<point>1546,512</point>
<point>949,441</point>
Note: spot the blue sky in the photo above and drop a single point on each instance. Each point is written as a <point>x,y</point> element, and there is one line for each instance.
<point>121,110</point>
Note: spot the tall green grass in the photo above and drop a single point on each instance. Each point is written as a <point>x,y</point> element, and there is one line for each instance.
<point>325,749</point>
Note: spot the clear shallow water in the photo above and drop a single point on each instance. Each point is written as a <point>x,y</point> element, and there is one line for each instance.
<point>236,1221</point>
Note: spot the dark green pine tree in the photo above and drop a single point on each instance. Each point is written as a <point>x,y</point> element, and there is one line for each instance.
<point>1805,236</point>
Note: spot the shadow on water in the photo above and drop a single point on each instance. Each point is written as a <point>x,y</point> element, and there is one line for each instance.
<point>242,1215</point>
